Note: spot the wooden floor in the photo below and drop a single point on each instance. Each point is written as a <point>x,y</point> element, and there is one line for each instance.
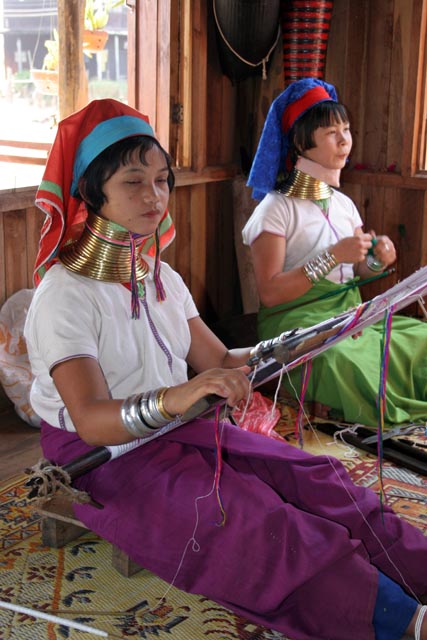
<point>19,445</point>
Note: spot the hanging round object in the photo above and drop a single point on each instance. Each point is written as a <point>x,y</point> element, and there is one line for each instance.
<point>305,34</point>
<point>247,33</point>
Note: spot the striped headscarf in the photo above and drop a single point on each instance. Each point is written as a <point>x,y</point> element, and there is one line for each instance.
<point>80,138</point>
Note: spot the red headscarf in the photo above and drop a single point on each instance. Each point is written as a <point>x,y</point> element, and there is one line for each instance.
<point>80,138</point>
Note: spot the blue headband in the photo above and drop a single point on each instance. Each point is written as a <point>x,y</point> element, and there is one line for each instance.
<point>273,147</point>
<point>102,136</point>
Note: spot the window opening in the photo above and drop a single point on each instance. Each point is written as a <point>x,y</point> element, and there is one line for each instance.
<point>29,111</point>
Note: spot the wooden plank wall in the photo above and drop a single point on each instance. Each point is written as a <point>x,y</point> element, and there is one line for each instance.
<point>20,224</point>
<point>373,60</point>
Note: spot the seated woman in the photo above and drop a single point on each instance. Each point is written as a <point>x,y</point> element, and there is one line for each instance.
<point>279,536</point>
<point>308,245</point>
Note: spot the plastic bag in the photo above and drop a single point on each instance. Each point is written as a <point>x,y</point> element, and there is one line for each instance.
<point>260,416</point>
<point>15,371</point>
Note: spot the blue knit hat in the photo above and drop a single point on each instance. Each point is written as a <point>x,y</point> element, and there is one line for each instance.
<point>273,147</point>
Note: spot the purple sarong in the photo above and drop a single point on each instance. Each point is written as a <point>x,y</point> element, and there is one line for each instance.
<point>301,544</point>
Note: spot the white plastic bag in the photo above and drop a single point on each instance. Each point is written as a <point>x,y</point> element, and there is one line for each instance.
<point>15,370</point>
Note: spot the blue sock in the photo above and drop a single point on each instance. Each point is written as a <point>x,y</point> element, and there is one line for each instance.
<point>393,611</point>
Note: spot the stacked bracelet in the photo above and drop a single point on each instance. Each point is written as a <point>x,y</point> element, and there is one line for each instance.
<point>144,413</point>
<point>419,622</point>
<point>319,267</point>
<point>161,394</point>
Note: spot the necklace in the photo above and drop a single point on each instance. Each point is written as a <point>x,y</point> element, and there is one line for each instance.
<point>105,251</point>
<point>302,185</point>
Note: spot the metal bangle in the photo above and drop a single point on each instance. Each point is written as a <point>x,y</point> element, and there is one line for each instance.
<point>309,273</point>
<point>419,622</point>
<point>319,267</point>
<point>161,407</point>
<point>149,410</point>
<point>145,410</point>
<point>132,419</point>
<point>154,408</point>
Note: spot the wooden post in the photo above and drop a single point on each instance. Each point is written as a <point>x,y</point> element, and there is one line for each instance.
<point>149,63</point>
<point>73,89</point>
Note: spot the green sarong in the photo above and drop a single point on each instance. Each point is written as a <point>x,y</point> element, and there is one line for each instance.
<point>346,377</point>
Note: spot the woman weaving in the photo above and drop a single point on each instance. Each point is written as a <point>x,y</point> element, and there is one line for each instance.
<point>110,333</point>
<point>309,249</point>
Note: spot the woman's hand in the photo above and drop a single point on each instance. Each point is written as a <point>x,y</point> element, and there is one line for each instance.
<point>230,384</point>
<point>352,249</point>
<point>384,250</point>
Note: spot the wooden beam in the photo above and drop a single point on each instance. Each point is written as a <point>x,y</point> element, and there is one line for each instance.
<point>149,63</point>
<point>384,179</point>
<point>163,72</point>
<point>73,85</point>
<point>199,86</point>
<point>413,152</point>
<point>146,59</point>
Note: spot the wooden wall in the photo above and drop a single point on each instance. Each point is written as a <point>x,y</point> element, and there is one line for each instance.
<point>375,59</point>
<point>20,225</point>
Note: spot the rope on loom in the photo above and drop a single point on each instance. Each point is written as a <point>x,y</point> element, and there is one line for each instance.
<point>53,479</point>
<point>264,60</point>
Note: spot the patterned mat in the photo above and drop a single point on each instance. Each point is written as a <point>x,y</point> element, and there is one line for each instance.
<point>79,583</point>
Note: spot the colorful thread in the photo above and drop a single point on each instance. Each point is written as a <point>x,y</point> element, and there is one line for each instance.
<point>218,468</point>
<point>385,353</point>
<point>161,294</point>
<point>305,377</point>
<point>135,306</point>
<point>155,333</point>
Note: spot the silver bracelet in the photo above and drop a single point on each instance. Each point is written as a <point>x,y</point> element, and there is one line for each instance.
<point>150,410</point>
<point>419,622</point>
<point>144,413</point>
<point>319,267</point>
<point>132,419</point>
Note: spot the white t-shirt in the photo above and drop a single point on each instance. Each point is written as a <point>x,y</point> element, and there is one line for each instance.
<point>307,229</point>
<point>73,316</point>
